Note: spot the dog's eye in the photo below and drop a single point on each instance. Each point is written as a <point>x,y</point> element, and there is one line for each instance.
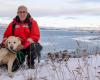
<point>14,42</point>
<point>9,42</point>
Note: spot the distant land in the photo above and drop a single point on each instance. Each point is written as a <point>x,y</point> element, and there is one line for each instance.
<point>62,28</point>
<point>73,28</point>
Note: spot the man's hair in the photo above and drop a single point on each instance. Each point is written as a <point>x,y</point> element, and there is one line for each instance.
<point>22,6</point>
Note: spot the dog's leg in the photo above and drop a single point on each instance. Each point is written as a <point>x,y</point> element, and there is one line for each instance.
<point>10,69</point>
<point>10,64</point>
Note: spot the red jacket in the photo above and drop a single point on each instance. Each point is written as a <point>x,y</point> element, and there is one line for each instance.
<point>22,31</point>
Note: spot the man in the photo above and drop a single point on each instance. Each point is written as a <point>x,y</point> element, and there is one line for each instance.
<point>24,27</point>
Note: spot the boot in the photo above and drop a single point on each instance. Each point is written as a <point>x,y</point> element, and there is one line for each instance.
<point>31,67</point>
<point>30,63</point>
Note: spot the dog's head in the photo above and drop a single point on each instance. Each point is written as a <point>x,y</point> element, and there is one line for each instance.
<point>12,43</point>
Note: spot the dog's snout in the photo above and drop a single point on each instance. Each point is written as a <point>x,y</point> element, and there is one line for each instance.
<point>11,47</point>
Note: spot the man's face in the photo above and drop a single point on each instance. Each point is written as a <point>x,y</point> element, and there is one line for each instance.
<point>22,13</point>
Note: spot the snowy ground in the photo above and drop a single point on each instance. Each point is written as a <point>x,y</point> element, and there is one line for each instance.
<point>85,68</point>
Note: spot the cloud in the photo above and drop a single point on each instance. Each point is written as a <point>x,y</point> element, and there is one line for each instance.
<point>52,7</point>
<point>70,9</point>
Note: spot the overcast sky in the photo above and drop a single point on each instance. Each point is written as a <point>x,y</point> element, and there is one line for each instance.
<point>58,13</point>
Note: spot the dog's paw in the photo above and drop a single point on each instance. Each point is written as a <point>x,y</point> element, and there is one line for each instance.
<point>10,75</point>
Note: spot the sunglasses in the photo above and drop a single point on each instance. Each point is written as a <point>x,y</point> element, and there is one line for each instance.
<point>22,11</point>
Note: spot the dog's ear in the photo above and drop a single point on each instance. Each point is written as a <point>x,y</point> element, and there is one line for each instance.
<point>6,43</point>
<point>18,38</point>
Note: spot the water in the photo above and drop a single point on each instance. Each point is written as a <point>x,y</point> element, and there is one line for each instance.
<point>56,40</point>
<point>59,40</point>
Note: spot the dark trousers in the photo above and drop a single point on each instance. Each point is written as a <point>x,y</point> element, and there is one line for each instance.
<point>32,52</point>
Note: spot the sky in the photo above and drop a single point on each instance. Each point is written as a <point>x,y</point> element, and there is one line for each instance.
<point>56,13</point>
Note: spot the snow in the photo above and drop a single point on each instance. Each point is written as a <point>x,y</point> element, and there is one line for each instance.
<point>84,68</point>
<point>88,39</point>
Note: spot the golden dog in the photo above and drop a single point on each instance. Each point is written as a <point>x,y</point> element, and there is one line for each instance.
<point>7,56</point>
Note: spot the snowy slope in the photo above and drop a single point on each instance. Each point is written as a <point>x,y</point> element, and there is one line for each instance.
<point>85,68</point>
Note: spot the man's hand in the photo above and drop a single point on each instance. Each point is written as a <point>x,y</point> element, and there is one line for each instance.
<point>30,40</point>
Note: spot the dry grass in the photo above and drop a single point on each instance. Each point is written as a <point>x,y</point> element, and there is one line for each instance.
<point>57,68</point>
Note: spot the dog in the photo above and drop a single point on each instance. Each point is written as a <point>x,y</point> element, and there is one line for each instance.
<point>6,55</point>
